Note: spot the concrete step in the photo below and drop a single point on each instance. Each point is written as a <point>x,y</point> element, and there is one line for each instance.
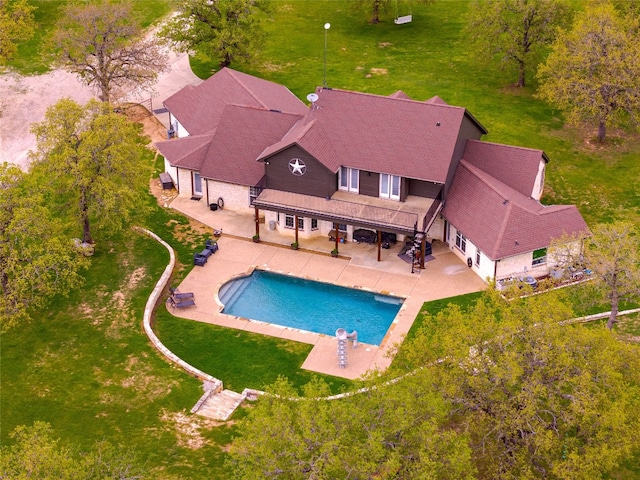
<point>221,405</point>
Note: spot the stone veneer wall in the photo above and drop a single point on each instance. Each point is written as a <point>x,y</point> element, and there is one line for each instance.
<point>236,197</point>
<point>216,385</point>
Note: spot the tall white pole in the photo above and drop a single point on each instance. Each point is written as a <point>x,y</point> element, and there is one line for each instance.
<point>327,26</point>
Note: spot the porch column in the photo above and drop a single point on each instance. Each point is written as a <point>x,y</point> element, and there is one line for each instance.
<point>295,219</point>
<point>335,227</point>
<point>257,219</point>
<point>379,244</point>
<point>422,247</point>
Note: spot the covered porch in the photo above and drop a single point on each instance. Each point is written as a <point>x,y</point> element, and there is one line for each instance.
<point>411,218</point>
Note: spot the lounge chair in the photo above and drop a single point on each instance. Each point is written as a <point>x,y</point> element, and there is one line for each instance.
<point>180,296</point>
<point>187,302</point>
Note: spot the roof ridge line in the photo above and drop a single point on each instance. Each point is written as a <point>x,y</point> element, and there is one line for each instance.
<point>243,85</point>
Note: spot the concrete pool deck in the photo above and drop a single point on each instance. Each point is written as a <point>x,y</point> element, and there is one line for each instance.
<point>357,267</point>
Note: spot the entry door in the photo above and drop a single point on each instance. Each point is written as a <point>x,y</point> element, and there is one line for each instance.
<point>389,186</point>
<point>197,184</point>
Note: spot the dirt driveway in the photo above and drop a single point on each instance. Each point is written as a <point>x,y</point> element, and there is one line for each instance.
<point>24,100</point>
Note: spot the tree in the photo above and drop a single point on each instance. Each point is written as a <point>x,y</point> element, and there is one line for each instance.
<point>501,390</point>
<point>226,30</point>
<point>592,72</point>
<point>613,254</point>
<point>36,454</point>
<point>16,23</point>
<point>377,6</point>
<point>101,43</point>
<point>383,433</point>
<point>517,30</point>
<point>91,157</point>
<point>37,259</point>
<point>537,398</point>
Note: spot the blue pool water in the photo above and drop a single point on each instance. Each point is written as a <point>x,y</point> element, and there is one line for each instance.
<point>308,305</point>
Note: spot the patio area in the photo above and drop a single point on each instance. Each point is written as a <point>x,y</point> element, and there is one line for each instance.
<point>357,267</point>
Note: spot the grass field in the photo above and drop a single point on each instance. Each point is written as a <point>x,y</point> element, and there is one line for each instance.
<point>84,364</point>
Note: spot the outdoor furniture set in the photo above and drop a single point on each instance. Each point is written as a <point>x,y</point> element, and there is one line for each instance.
<point>201,258</point>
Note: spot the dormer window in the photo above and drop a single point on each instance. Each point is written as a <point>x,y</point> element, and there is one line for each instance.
<point>349,180</point>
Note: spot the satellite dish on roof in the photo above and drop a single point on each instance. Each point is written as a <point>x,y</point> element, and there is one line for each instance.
<point>312,97</point>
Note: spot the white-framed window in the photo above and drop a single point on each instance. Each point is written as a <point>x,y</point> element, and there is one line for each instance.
<point>478,256</point>
<point>389,186</point>
<point>349,179</point>
<point>539,257</point>
<point>342,227</point>
<point>461,242</point>
<point>288,221</point>
<point>314,224</point>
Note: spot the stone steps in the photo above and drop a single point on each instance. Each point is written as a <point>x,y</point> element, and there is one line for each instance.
<point>220,405</point>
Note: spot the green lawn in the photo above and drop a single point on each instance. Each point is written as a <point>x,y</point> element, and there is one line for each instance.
<point>84,364</point>
<point>34,56</point>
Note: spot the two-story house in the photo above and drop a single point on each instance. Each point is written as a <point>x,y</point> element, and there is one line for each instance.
<point>349,161</point>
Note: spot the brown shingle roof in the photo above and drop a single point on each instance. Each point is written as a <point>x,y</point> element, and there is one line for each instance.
<point>230,153</point>
<point>514,166</point>
<point>187,152</point>
<point>400,94</point>
<point>501,221</point>
<point>199,108</point>
<point>242,134</point>
<point>379,134</point>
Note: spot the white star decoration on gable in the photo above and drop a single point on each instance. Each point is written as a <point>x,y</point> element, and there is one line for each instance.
<point>297,166</point>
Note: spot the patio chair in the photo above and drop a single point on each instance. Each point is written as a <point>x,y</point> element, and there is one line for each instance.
<point>199,259</point>
<point>187,302</point>
<point>180,296</point>
<point>212,246</point>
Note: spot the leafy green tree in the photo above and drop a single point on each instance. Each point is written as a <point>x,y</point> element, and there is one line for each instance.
<point>37,259</point>
<point>502,390</point>
<point>91,157</point>
<point>16,24</point>
<point>613,253</point>
<point>538,399</point>
<point>226,30</point>
<point>36,454</point>
<point>383,433</point>
<point>515,30</point>
<point>378,6</point>
<point>592,72</point>
<point>103,45</point>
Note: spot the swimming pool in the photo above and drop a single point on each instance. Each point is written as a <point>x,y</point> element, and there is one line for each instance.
<point>309,305</point>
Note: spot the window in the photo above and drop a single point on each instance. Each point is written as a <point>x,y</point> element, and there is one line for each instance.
<point>288,221</point>
<point>253,194</point>
<point>342,227</point>
<point>314,224</point>
<point>349,179</point>
<point>539,257</point>
<point>478,254</point>
<point>461,242</point>
<point>389,186</point>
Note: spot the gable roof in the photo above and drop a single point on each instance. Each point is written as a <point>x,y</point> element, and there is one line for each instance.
<point>514,166</point>
<point>380,134</point>
<point>199,108</point>
<point>229,154</point>
<point>500,220</point>
<point>187,152</point>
